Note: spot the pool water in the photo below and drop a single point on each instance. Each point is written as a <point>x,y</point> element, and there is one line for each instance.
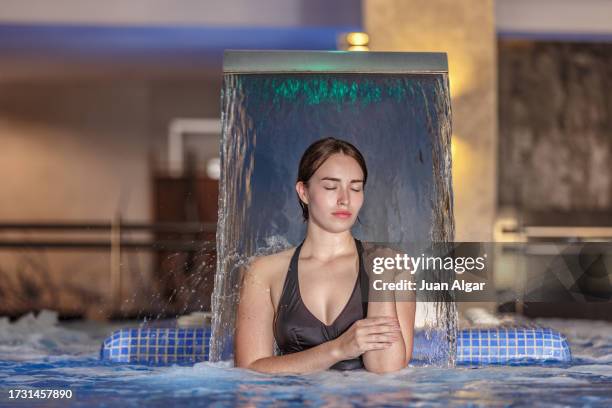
<point>38,353</point>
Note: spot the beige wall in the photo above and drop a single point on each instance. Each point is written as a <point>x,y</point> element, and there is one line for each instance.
<point>74,151</point>
<point>554,16</point>
<point>187,12</point>
<point>466,31</point>
<point>80,151</point>
<point>246,13</point>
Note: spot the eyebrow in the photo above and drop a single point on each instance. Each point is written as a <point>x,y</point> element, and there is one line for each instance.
<point>337,179</point>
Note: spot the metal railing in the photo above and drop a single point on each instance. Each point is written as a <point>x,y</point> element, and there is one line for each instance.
<point>116,243</point>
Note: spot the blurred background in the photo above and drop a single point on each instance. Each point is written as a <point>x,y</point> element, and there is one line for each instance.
<point>110,128</point>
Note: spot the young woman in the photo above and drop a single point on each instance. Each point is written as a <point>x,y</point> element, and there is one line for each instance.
<point>309,299</point>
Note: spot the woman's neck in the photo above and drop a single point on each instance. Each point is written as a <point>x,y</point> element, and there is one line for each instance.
<point>324,245</point>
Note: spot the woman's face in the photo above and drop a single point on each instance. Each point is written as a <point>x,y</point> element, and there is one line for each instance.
<point>334,193</point>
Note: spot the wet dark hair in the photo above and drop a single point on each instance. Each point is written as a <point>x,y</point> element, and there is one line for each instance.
<point>317,153</point>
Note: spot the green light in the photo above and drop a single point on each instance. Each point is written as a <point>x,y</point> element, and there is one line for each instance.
<point>340,91</point>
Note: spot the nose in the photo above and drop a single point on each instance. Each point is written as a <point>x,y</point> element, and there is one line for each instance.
<point>343,197</point>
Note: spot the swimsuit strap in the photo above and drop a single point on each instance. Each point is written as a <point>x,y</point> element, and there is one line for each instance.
<point>292,277</point>
<point>364,280</point>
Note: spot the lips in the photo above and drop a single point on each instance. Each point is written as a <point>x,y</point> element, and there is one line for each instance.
<point>341,214</point>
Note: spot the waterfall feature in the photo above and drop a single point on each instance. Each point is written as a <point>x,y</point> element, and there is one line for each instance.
<point>394,107</point>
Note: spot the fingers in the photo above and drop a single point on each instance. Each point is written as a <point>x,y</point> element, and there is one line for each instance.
<point>374,321</point>
<point>380,329</point>
<point>378,325</point>
<point>377,346</point>
<point>382,338</point>
<point>377,333</point>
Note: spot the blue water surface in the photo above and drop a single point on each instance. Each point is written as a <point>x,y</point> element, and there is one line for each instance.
<point>40,354</point>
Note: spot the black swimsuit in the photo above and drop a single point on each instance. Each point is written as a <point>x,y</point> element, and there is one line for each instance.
<point>297,329</point>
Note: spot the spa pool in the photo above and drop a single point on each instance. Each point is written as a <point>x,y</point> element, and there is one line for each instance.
<point>39,353</point>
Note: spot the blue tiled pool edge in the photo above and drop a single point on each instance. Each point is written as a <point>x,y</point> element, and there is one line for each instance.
<point>160,346</point>
<point>511,344</point>
<point>478,346</point>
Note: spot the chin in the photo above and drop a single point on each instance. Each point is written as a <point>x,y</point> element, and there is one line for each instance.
<point>337,226</point>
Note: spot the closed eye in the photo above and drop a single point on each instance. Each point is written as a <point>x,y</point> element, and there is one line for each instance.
<point>357,190</point>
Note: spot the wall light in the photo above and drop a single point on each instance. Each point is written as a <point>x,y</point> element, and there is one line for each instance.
<point>213,168</point>
<point>355,41</point>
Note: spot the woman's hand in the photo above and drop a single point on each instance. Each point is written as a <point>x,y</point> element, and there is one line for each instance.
<point>373,333</point>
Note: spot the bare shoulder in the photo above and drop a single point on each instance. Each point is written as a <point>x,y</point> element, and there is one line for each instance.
<point>270,268</point>
<point>372,249</point>
<point>376,255</point>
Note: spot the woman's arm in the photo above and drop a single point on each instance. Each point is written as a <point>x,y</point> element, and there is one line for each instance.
<point>396,305</point>
<point>315,359</point>
<point>392,358</point>
<point>399,354</point>
<point>405,310</point>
